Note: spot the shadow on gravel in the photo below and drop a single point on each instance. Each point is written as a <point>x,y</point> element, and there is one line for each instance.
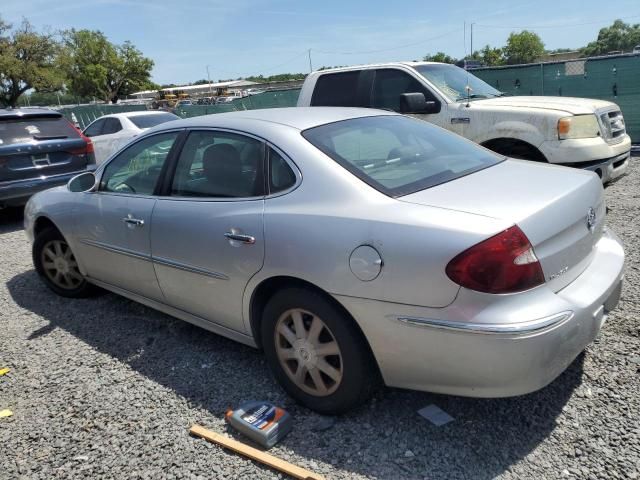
<point>486,439</point>
<point>11,219</point>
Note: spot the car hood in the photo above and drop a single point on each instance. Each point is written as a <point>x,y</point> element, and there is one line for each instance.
<point>551,204</point>
<point>574,106</point>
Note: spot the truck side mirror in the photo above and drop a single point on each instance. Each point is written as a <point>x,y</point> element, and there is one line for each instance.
<point>417,103</point>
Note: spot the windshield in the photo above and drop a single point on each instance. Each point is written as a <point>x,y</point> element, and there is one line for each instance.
<point>148,121</point>
<point>452,81</point>
<point>399,155</point>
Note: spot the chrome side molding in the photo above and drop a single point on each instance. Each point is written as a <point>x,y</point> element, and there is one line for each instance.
<point>520,328</point>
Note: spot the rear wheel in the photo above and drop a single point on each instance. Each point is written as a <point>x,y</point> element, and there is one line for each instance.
<point>57,266</point>
<point>316,352</point>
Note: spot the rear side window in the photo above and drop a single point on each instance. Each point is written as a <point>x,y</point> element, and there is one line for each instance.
<point>27,130</point>
<point>390,83</point>
<point>219,165</point>
<point>336,90</point>
<point>399,155</point>
<point>281,176</point>
<point>148,121</point>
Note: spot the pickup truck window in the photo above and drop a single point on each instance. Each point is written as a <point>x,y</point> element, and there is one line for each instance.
<point>452,81</point>
<point>390,83</point>
<point>399,155</point>
<point>336,90</point>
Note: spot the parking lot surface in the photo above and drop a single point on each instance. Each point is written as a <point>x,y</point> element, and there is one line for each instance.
<point>107,388</point>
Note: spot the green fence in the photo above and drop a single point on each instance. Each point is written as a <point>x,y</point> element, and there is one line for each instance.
<point>614,78</point>
<point>268,99</point>
<point>83,115</point>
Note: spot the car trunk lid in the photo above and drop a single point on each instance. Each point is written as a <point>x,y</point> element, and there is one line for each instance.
<point>36,146</point>
<point>560,210</point>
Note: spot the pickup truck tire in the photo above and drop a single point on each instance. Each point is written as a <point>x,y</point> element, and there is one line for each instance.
<point>514,148</point>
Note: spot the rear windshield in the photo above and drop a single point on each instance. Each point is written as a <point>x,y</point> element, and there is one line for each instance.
<point>399,155</point>
<point>148,121</point>
<point>27,130</point>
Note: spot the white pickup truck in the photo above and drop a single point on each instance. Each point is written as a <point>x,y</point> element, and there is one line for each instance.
<point>576,132</point>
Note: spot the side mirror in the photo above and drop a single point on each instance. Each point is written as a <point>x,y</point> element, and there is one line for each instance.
<point>85,182</point>
<point>416,103</point>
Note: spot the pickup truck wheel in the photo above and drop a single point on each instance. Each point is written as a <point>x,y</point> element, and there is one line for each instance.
<point>57,266</point>
<point>516,149</point>
<point>316,352</point>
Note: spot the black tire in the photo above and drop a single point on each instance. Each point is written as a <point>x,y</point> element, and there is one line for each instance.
<point>82,289</point>
<point>360,375</point>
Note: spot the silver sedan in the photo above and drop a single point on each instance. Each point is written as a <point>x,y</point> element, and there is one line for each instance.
<point>356,247</point>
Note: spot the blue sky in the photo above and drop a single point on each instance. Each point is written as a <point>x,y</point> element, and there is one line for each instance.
<point>244,37</point>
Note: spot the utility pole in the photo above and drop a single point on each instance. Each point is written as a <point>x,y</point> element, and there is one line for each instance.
<point>310,66</point>
<point>209,79</point>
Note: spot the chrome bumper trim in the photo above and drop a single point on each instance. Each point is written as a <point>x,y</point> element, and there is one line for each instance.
<point>521,328</point>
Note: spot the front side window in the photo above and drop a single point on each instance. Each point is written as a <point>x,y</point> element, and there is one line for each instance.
<point>111,125</point>
<point>137,169</point>
<point>95,128</point>
<point>219,165</point>
<point>453,82</point>
<point>336,90</point>
<point>399,155</point>
<point>390,83</point>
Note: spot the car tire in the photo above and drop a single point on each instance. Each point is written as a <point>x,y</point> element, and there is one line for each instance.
<point>338,371</point>
<point>57,267</point>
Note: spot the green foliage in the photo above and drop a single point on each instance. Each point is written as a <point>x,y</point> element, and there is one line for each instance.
<point>440,57</point>
<point>490,56</point>
<point>619,36</point>
<point>97,68</point>
<point>523,47</point>
<point>27,61</point>
<point>281,77</point>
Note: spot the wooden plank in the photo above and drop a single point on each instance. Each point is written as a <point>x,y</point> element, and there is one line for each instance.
<point>254,454</point>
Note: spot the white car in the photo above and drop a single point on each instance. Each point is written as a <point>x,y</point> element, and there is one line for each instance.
<point>110,132</point>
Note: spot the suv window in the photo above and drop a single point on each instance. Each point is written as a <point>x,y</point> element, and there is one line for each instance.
<point>281,176</point>
<point>26,130</point>
<point>95,128</point>
<point>336,90</point>
<point>390,83</point>
<point>219,164</point>
<point>111,125</point>
<point>137,169</point>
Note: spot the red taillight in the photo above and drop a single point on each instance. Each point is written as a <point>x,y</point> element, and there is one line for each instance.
<point>504,263</point>
<point>87,149</point>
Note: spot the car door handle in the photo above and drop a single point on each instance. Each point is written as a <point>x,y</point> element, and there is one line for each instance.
<point>133,221</point>
<point>238,237</point>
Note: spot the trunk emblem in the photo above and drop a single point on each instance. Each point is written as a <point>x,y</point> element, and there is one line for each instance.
<point>591,219</point>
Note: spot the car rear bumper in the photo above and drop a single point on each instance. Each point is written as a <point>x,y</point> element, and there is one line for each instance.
<point>493,345</point>
<point>17,192</point>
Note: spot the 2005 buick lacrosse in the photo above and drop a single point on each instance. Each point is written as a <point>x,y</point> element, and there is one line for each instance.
<point>356,247</point>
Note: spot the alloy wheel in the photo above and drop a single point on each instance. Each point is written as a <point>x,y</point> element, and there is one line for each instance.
<point>308,352</point>
<point>60,265</point>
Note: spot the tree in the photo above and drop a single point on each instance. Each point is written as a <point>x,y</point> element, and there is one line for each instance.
<point>523,47</point>
<point>95,67</point>
<point>440,57</point>
<point>619,36</point>
<point>490,56</point>
<point>27,61</point>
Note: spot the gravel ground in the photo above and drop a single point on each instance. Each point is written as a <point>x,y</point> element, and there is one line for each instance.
<point>106,388</point>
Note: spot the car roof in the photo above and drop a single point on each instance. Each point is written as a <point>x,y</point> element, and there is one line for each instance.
<point>376,65</point>
<point>299,118</point>
<point>135,113</point>
<point>28,112</point>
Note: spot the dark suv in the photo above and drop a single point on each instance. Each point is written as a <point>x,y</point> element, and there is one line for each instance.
<point>39,149</point>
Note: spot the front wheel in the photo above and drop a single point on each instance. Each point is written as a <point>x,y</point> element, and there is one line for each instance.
<point>316,352</point>
<point>57,266</point>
